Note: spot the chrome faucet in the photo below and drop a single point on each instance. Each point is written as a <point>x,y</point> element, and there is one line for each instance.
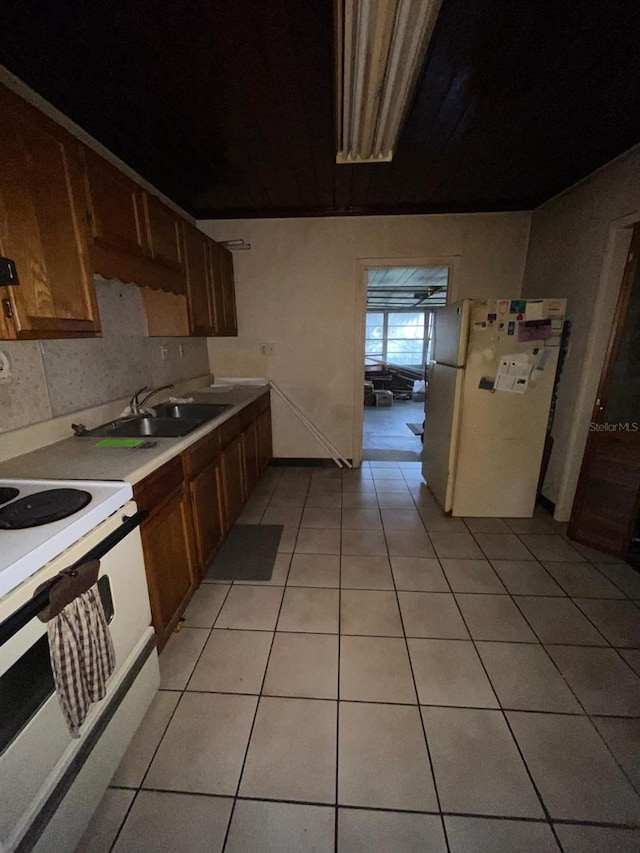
<point>136,405</point>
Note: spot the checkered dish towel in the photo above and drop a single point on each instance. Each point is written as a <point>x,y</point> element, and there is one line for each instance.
<point>82,656</point>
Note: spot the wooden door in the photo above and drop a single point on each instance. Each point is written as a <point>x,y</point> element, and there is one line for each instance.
<point>200,299</point>
<point>115,208</point>
<point>607,505</point>
<point>232,480</point>
<point>43,229</point>
<point>167,537</point>
<point>207,504</point>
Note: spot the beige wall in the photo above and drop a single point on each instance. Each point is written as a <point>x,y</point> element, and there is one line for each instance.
<point>577,249</point>
<point>300,288</point>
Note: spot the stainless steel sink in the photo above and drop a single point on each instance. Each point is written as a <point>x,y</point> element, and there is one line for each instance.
<point>150,426</point>
<point>170,421</point>
<point>201,411</point>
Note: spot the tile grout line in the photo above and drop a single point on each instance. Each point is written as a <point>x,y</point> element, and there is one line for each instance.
<point>506,721</point>
<point>572,691</point>
<point>337,753</point>
<point>384,809</point>
<point>533,642</point>
<point>417,695</point>
<point>253,722</point>
<point>286,584</point>
<point>139,788</point>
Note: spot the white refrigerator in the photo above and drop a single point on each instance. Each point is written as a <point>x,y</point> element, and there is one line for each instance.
<point>487,404</point>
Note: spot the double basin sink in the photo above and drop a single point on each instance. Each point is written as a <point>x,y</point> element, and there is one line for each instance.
<point>171,420</point>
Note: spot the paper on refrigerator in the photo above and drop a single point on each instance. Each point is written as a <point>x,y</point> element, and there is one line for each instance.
<point>513,374</point>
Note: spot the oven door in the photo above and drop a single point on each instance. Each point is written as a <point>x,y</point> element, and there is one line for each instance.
<point>36,750</point>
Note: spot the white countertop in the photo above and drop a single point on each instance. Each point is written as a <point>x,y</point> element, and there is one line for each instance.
<point>79,459</point>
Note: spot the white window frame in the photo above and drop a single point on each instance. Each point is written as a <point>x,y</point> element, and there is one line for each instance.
<point>426,339</point>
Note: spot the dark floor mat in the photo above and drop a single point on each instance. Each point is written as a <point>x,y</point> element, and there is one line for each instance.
<point>248,553</point>
<point>372,454</point>
<point>416,429</point>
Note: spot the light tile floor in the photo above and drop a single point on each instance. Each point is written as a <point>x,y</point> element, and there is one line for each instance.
<point>404,683</point>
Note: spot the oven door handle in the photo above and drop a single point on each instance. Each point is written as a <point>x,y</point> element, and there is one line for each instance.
<point>26,613</point>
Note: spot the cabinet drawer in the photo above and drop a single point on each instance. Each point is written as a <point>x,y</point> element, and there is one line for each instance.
<point>157,487</point>
<point>201,454</point>
<point>263,402</point>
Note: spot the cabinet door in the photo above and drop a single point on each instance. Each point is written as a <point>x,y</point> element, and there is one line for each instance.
<point>265,451</point>
<point>167,537</point>
<point>216,289</point>
<point>43,229</point>
<point>207,506</point>
<point>250,458</point>
<point>232,481</point>
<point>222,290</point>
<point>115,207</point>
<point>228,292</point>
<point>200,299</point>
<point>164,235</point>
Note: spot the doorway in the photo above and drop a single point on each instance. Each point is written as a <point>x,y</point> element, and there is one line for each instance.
<point>397,349</point>
<point>606,510</point>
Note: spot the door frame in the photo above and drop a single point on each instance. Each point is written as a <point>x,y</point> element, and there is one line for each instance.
<point>363,265</point>
<point>627,283</point>
<point>611,269</point>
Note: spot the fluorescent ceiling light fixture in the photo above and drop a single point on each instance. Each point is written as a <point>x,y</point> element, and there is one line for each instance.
<point>236,245</point>
<point>380,49</point>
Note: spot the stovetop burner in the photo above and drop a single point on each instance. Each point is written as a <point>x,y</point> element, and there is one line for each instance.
<point>8,493</point>
<point>42,508</point>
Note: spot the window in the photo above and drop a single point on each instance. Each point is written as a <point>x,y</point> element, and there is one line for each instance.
<point>400,313</point>
<point>374,338</point>
<point>399,337</point>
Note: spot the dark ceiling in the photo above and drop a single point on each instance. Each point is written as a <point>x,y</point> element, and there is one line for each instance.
<point>227,107</point>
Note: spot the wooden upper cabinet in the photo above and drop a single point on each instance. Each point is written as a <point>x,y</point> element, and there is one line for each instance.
<point>165,236</point>
<point>200,297</point>
<point>228,292</point>
<point>43,228</point>
<point>135,237</point>
<point>222,290</point>
<point>115,208</point>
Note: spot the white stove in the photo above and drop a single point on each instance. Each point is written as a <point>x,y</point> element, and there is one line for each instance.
<point>26,550</point>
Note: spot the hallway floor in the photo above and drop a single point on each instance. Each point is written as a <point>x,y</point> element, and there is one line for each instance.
<point>405,683</point>
<point>385,434</point>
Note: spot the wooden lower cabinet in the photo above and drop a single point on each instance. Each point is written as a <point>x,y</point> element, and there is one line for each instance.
<point>263,430</point>
<point>207,501</point>
<point>251,470</point>
<point>193,501</point>
<point>232,460</point>
<point>168,546</point>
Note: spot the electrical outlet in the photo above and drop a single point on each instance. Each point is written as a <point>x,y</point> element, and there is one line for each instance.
<point>268,349</point>
<point>5,368</point>
<point>164,352</point>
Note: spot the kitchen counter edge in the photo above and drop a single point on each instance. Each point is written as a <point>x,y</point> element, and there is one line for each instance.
<point>77,458</point>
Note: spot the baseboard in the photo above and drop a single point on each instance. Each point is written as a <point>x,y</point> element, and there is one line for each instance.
<point>302,461</point>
